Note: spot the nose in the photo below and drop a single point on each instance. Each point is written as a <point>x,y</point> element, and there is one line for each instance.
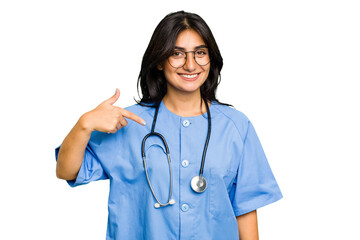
<point>190,63</point>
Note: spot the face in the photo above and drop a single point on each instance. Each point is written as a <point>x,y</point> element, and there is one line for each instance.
<point>190,77</point>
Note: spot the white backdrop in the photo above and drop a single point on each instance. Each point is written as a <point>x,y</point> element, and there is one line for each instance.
<point>291,66</point>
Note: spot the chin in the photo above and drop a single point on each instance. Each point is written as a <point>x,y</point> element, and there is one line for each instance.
<point>187,89</point>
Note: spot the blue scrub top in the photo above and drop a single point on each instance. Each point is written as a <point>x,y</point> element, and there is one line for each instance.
<point>236,169</point>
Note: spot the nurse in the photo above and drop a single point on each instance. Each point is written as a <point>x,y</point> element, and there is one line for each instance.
<point>154,198</point>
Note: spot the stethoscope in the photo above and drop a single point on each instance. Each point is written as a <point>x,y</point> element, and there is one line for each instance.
<point>198,183</point>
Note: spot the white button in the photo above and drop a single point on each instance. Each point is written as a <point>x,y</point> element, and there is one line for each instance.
<point>184,207</point>
<point>185,163</point>
<point>186,123</point>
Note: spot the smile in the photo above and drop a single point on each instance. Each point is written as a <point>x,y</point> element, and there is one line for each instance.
<point>189,77</point>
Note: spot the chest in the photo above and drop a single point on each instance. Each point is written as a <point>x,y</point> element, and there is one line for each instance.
<point>185,140</point>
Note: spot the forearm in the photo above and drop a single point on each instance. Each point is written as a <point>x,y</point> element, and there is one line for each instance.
<point>72,150</point>
<point>248,227</point>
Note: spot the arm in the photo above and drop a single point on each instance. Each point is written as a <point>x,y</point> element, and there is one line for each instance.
<point>248,228</point>
<point>72,150</point>
<point>104,118</point>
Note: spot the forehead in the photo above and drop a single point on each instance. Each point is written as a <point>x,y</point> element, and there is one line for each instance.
<point>189,39</point>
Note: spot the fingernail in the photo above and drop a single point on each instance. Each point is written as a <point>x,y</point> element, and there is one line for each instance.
<point>143,123</point>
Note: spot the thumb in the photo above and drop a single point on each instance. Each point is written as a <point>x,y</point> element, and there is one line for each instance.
<point>114,98</point>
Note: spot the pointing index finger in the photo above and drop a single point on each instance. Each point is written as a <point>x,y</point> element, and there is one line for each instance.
<point>133,116</point>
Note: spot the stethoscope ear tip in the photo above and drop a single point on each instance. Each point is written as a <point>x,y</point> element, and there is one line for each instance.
<point>158,205</point>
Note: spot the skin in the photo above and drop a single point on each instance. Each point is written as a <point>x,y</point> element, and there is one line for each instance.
<point>182,98</point>
<point>248,227</point>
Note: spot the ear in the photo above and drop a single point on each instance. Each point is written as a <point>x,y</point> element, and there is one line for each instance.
<point>159,67</point>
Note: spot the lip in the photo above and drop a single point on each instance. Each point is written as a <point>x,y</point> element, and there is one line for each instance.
<point>189,79</point>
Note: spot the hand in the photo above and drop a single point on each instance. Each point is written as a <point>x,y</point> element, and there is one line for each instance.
<point>108,118</point>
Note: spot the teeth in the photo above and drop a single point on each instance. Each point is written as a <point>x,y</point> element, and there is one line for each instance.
<point>189,76</point>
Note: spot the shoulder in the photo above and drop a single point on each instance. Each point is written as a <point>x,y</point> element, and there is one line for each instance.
<point>145,112</point>
<point>138,109</point>
<point>232,116</point>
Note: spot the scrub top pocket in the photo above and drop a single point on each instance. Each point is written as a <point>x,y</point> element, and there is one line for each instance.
<point>219,187</point>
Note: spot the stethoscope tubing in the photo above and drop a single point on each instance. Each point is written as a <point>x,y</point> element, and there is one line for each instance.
<point>147,176</point>
<point>153,133</point>
<point>198,183</point>
<point>207,140</point>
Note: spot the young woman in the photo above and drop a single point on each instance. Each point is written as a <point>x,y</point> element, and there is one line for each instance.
<point>181,164</point>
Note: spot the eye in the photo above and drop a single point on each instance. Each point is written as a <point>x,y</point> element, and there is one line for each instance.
<point>177,54</point>
<point>201,53</point>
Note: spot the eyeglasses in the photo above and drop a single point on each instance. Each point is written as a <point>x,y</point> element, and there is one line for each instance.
<point>178,58</point>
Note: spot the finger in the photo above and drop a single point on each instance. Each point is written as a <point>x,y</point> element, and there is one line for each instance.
<point>133,116</point>
<point>114,98</point>
<point>119,126</point>
<point>123,121</point>
<point>118,114</point>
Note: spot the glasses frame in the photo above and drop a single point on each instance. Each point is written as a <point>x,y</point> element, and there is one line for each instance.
<point>193,57</point>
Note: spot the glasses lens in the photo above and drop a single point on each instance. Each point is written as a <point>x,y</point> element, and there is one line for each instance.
<point>202,56</point>
<point>177,59</point>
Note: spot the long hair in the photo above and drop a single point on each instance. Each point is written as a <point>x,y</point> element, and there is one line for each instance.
<point>152,81</point>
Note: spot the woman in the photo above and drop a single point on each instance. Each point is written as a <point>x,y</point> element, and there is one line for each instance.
<point>203,176</point>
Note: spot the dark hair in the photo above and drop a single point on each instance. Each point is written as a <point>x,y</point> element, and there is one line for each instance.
<point>152,81</point>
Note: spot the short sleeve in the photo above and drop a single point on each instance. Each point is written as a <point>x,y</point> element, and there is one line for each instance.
<point>91,168</point>
<point>255,185</point>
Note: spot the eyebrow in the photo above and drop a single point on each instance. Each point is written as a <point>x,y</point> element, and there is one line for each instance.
<point>183,49</point>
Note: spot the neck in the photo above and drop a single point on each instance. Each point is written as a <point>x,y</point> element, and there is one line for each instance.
<point>185,105</point>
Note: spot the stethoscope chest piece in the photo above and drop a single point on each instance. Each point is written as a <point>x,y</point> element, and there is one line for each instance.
<point>198,184</point>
